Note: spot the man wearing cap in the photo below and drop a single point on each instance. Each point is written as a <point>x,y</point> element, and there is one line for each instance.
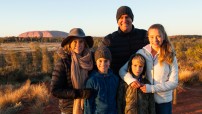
<point>123,43</point>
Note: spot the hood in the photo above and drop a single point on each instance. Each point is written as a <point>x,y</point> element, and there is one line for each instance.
<point>148,48</point>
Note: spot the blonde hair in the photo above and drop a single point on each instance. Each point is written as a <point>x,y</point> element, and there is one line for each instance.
<point>166,50</point>
<point>140,59</point>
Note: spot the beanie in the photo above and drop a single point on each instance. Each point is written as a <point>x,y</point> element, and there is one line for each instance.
<point>103,52</point>
<point>124,10</point>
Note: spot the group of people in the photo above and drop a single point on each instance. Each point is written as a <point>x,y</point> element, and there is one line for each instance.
<point>133,71</point>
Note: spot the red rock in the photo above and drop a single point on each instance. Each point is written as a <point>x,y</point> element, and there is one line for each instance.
<point>44,34</point>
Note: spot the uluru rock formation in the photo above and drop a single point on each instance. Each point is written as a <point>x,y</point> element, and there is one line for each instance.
<point>43,34</point>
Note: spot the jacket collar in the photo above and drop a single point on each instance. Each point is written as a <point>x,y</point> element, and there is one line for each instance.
<point>97,74</point>
<point>149,49</point>
<point>122,33</point>
<point>62,54</point>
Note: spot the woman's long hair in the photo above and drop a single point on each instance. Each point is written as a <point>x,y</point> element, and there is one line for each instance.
<point>166,50</point>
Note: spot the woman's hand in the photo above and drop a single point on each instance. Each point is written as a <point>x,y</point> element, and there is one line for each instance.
<point>143,88</point>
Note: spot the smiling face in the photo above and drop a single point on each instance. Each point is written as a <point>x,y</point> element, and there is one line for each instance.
<point>103,65</point>
<point>155,39</point>
<point>137,67</point>
<point>77,45</point>
<point>125,23</point>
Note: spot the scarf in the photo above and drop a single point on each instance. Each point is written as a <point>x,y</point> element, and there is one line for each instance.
<point>79,73</point>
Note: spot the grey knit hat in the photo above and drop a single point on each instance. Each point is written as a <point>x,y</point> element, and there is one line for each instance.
<point>124,10</point>
<point>103,52</point>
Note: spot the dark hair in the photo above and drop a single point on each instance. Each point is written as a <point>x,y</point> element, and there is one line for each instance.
<point>139,57</point>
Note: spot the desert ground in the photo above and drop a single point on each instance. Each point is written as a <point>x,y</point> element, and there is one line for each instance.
<point>189,101</point>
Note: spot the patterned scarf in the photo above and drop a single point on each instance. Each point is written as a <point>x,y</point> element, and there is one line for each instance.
<point>79,73</point>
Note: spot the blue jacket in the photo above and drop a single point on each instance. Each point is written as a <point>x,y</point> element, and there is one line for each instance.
<point>103,100</point>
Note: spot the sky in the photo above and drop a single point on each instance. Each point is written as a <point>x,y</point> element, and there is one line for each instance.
<point>98,18</point>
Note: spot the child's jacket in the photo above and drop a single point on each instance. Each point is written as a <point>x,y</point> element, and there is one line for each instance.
<point>138,102</point>
<point>103,100</point>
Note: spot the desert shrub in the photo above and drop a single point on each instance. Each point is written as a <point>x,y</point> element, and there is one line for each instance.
<point>23,60</point>
<point>39,77</point>
<point>55,58</point>
<point>198,65</point>
<point>8,75</point>
<point>189,55</point>
<point>187,77</point>
<point>194,56</point>
<point>37,108</point>
<point>2,60</point>
<point>46,63</point>
<point>12,110</point>
<point>12,59</point>
<point>36,56</point>
<point>16,76</point>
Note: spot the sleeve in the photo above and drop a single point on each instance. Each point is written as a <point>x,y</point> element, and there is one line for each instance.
<point>89,104</point>
<point>168,85</point>
<point>126,76</point>
<point>59,84</point>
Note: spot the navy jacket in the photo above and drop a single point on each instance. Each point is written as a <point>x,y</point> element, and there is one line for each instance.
<point>123,45</point>
<point>103,100</point>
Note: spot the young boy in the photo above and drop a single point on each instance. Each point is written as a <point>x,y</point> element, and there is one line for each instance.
<point>137,102</point>
<point>104,83</point>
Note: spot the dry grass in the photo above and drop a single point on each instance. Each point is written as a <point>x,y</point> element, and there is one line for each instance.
<point>14,99</point>
<point>188,77</point>
<point>11,97</point>
<point>27,47</point>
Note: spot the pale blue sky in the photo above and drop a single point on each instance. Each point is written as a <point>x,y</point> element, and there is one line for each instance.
<point>98,17</point>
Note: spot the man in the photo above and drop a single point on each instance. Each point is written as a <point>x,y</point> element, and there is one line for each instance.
<point>123,43</point>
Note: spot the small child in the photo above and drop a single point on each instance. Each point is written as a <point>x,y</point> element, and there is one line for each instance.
<point>105,85</point>
<point>138,102</point>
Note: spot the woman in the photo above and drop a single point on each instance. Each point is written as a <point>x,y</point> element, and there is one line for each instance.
<point>71,72</point>
<point>162,69</point>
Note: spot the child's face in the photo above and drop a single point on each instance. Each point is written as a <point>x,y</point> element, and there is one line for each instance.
<point>137,67</point>
<point>103,65</point>
<point>77,45</point>
<point>155,38</point>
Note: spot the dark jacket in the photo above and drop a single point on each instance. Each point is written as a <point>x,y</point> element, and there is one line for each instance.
<point>61,84</point>
<point>103,99</point>
<point>123,45</point>
<point>138,102</point>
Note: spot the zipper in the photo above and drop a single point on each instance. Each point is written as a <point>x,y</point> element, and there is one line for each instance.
<point>153,70</point>
<point>105,76</point>
<point>153,61</point>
